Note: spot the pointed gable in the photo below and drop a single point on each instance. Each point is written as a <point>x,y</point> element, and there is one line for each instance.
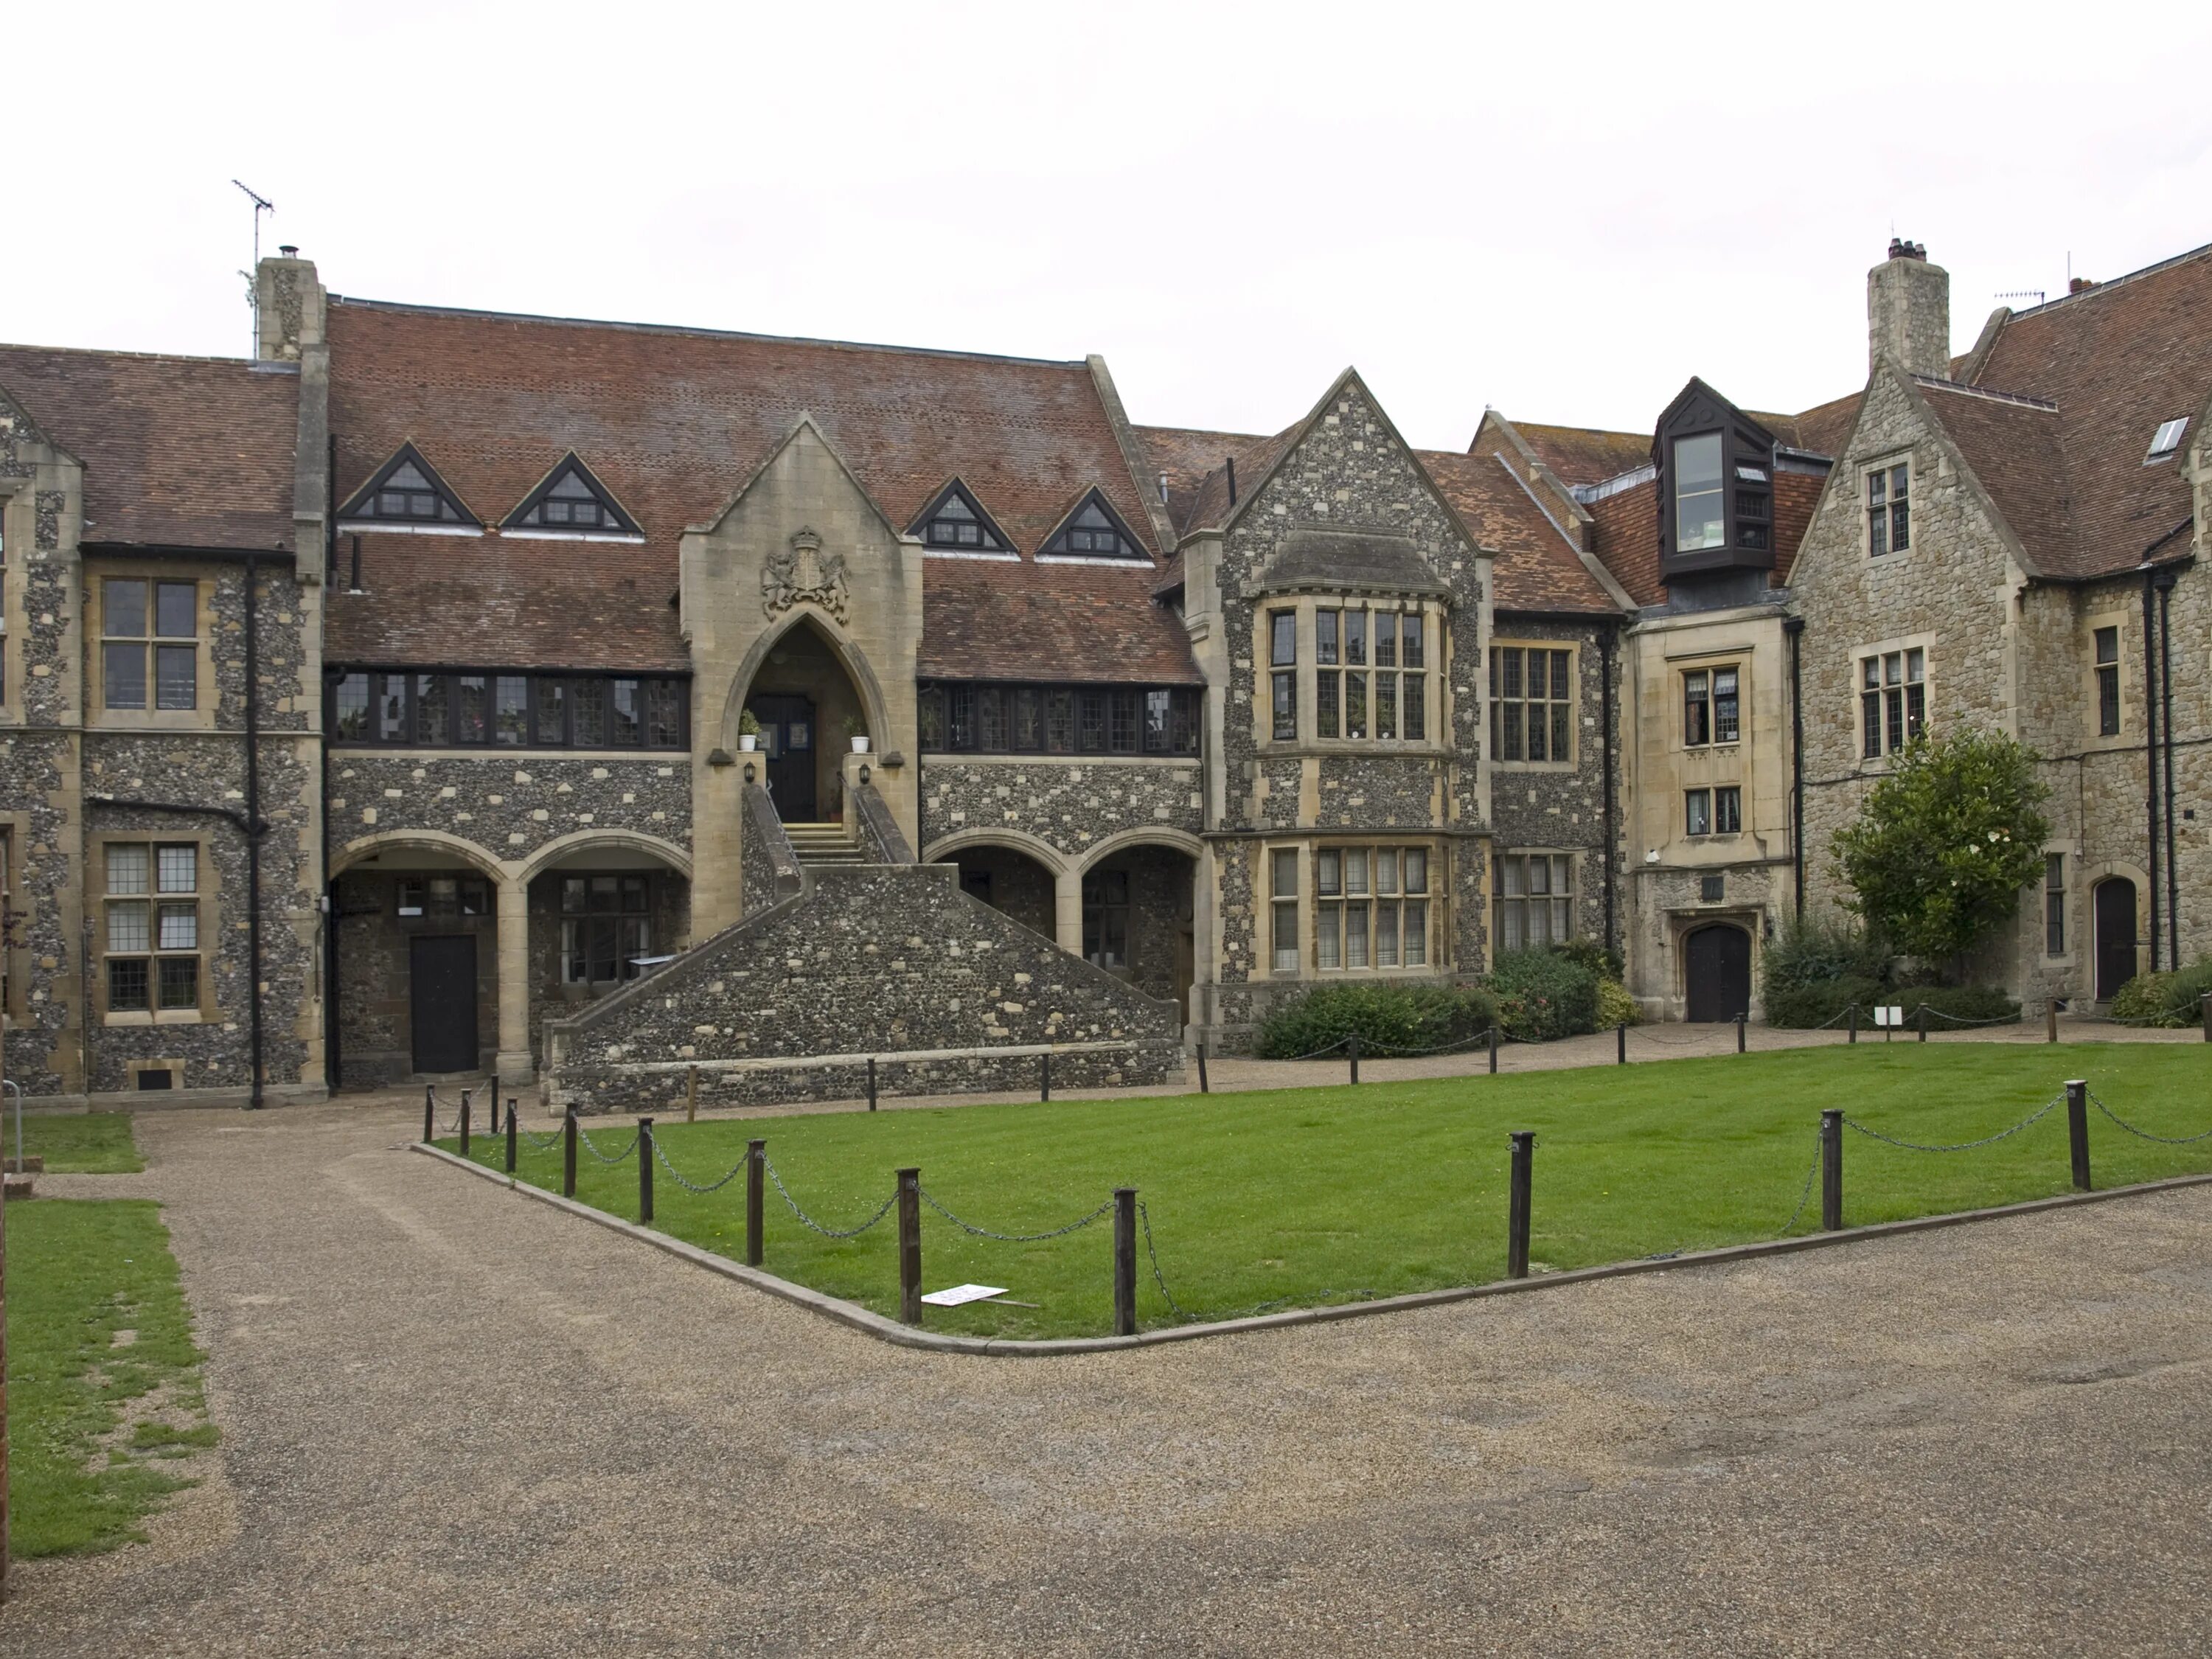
<point>955,525</point>
<point>1095,530</point>
<point>569,501</point>
<point>406,491</point>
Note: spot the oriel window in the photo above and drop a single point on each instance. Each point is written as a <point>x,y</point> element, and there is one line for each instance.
<point>1700,520</point>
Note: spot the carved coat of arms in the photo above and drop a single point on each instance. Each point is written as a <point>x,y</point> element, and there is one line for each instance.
<point>803,573</point>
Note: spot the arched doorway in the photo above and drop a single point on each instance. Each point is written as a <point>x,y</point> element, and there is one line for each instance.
<point>1138,919</point>
<point>1716,973</point>
<point>2114,908</point>
<point>1007,879</point>
<point>807,706</point>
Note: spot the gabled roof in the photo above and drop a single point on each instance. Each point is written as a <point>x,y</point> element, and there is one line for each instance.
<point>1586,455</point>
<point>673,420</point>
<point>1537,568</point>
<point>177,452</point>
<point>1187,457</point>
<point>2115,359</point>
<point>1085,624</point>
<point>569,482</point>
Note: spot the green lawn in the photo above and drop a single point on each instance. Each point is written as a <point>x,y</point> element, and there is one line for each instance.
<point>77,1142</point>
<point>95,1427</point>
<point>1304,1197</point>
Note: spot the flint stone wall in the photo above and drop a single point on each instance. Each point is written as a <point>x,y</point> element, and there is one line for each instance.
<point>893,961</point>
<point>1072,805</point>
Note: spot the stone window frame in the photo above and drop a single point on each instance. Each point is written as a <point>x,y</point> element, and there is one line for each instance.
<point>207,896</point>
<point>2093,736</point>
<point>1305,672</point>
<point>1884,468</point>
<point>1725,662</point>
<point>622,916</point>
<point>1709,800</point>
<point>1923,642</point>
<point>1574,704</point>
<point>207,695</point>
<point>1304,904</point>
<point>1500,898</point>
<point>2069,872</point>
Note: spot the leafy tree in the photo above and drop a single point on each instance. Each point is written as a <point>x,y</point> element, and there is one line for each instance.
<point>1940,851</point>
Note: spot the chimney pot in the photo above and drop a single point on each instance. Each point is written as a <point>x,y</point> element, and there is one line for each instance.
<point>2079,285</point>
<point>288,249</point>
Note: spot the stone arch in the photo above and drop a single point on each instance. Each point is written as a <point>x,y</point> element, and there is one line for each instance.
<point>419,841</point>
<point>842,647</point>
<point>1150,835</point>
<point>582,841</point>
<point>1019,840</point>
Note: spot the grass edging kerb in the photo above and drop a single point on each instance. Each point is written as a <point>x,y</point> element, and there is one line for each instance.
<point>906,1336</point>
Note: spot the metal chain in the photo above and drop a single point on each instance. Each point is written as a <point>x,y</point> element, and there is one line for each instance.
<point>826,1232</point>
<point>2164,1141</point>
<point>693,1187</point>
<point>1643,1035</point>
<point>1964,1145</point>
<point>2182,1021</point>
<point>538,1143</point>
<point>1805,1197</point>
<point>1013,1238</point>
<point>601,1156</point>
<point>1174,1307</point>
<point>1999,1020</point>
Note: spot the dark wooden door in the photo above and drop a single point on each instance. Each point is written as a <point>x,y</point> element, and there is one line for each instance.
<point>787,738</point>
<point>2115,935</point>
<point>442,996</point>
<point>1717,972</point>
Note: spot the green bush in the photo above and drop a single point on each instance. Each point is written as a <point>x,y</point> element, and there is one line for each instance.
<point>1542,994</point>
<point>1603,962</point>
<point>1818,1002</point>
<point>1819,951</point>
<point>2168,1000</point>
<point>1615,1006</point>
<point>1802,1007</point>
<point>1387,1017</point>
<point>1960,1002</point>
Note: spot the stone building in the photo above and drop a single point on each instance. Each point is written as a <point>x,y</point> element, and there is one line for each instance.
<point>631,704</point>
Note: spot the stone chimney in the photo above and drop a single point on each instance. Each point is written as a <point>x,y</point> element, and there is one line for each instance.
<point>1908,312</point>
<point>288,303</point>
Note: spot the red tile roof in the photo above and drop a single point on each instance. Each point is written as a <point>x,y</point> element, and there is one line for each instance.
<point>177,452</point>
<point>1187,456</point>
<point>1626,540</point>
<point>983,620</point>
<point>1537,568</point>
<point>672,421</point>
<point>2116,360</point>
<point>1586,455</point>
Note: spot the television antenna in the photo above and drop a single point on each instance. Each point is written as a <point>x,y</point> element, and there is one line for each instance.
<point>261,205</point>
<point>2034,294</point>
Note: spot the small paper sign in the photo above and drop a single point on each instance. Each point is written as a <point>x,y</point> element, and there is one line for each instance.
<point>960,1293</point>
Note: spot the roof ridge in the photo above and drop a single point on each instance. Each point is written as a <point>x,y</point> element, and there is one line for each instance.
<point>1937,383</point>
<point>705,332</point>
<point>147,357</point>
<point>2112,282</point>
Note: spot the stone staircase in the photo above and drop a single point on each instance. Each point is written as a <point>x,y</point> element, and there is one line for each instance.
<point>817,844</point>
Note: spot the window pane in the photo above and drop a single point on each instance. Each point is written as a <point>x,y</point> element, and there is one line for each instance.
<point>1355,936</point>
<point>1386,870</point>
<point>1539,748</point>
<point>1698,805</point>
<point>1561,689</point>
<point>432,692</point>
<point>991,717</point>
<point>1029,719</point>
<point>1060,722</point>
<point>1355,705</point>
<point>1355,636</point>
<point>1386,705</point>
<point>1285,865</point>
<point>1386,936</point>
<point>1091,722</point>
<point>513,692</point>
<point>590,698</point>
<point>1327,690</point>
<point>127,988</point>
<point>1287,938</point>
<point>127,869</point>
<point>1355,872</point>
<point>178,868</point>
<point>176,675</point>
<point>1725,706</point>
<point>1417,932</point>
<point>129,927</point>
<point>1284,647</point>
<point>1728,811</point>
<point>960,716</point>
<point>1699,519</point>
<point>350,707</point>
<point>1559,750</point>
<point>1156,722</point>
<point>1417,870</point>
<point>1328,870</point>
<point>1284,723</point>
<point>1327,919</point>
<point>176,608</point>
<point>125,607</point>
<point>1415,711</point>
<point>1325,623</point>
<point>472,714</point>
<point>1386,640</point>
<point>1123,734</point>
<point>180,928</point>
<point>125,667</point>
<point>1410,635</point>
<point>624,721</point>
<point>1187,706</point>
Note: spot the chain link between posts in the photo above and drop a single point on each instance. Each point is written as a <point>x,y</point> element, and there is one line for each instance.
<point>808,1220</point>
<point>677,1175</point>
<point>1014,1238</point>
<point>602,1157</point>
<point>2145,1134</point>
<point>2036,1116</point>
<point>1144,1215</point>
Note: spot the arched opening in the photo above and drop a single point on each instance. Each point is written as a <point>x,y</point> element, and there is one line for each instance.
<point>2113,905</point>
<point>415,955</point>
<point>600,915</point>
<point>808,709</point>
<point>1715,973</point>
<point>1140,918</point>
<point>1008,879</point>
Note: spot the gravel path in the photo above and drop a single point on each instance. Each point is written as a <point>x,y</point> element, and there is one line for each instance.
<point>458,1423</point>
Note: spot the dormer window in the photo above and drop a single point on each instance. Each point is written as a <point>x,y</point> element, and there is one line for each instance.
<point>955,523</point>
<point>2166,440</point>
<point>407,492</point>
<point>1094,531</point>
<point>1700,521</point>
<point>1716,486</point>
<point>570,502</point>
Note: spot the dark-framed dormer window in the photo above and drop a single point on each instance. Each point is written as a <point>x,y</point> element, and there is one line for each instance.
<point>571,502</point>
<point>1700,515</point>
<point>1094,531</point>
<point>407,492</point>
<point>956,523</point>
<point>1715,468</point>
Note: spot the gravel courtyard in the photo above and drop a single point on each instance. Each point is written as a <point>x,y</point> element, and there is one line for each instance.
<point>458,1422</point>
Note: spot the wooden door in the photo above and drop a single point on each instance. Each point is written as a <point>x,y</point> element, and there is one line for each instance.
<point>788,738</point>
<point>2115,935</point>
<point>442,999</point>
<point>1716,973</point>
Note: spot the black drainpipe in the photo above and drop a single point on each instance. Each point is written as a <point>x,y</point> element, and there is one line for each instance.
<point>253,820</point>
<point>1794,628</point>
<point>1231,463</point>
<point>1605,721</point>
<point>2150,758</point>
<point>331,1058</point>
<point>2165,582</point>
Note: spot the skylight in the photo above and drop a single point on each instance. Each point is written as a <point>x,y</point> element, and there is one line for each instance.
<point>2167,440</point>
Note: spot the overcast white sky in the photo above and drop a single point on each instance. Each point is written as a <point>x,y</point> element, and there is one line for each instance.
<point>1563,211</point>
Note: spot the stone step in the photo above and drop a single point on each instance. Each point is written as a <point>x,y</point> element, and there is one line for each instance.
<point>16,1188</point>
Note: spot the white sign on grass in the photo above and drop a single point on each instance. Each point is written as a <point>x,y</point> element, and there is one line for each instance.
<point>960,1293</point>
<point>1889,1017</point>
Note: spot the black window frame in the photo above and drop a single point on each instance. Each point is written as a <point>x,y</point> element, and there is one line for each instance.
<point>2108,679</point>
<point>941,534</point>
<point>1745,486</point>
<point>1128,546</point>
<point>397,707</point>
<point>366,507</point>
<point>571,465</point>
<point>1059,720</point>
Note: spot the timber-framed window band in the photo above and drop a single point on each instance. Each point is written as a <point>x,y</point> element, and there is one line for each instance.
<point>490,709</point>
<point>967,717</point>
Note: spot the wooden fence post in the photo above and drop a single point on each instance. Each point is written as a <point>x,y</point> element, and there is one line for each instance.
<point>2050,1020</point>
<point>464,1123</point>
<point>2078,1129</point>
<point>2206,1000</point>
<point>1924,1022</point>
<point>430,1113</point>
<point>691,1094</point>
<point>1517,1205</point>
<point>645,1170</point>
<point>1203,1089</point>
<point>1855,1022</point>
<point>871,1083</point>
<point>755,1164</point>
<point>1741,1020</point>
<point>510,1137</point>
<point>909,1246</point>
<point>1125,1261</point>
<point>1493,1051</point>
<point>569,1154</point>
<point>1620,1043</point>
<point>1832,1171</point>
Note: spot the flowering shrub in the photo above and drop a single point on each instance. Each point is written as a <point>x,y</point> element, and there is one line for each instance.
<point>1542,994</point>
